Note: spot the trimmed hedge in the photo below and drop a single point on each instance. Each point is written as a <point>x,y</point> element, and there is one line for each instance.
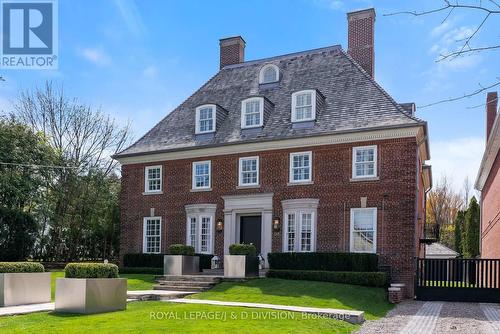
<point>179,249</point>
<point>141,270</point>
<point>21,267</point>
<point>376,279</point>
<point>205,261</point>
<point>242,249</point>
<point>141,260</point>
<point>365,262</point>
<point>91,270</point>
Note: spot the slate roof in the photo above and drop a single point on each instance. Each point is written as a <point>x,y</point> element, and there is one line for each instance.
<point>438,250</point>
<point>353,102</point>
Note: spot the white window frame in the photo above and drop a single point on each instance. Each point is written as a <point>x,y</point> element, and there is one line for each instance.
<point>351,230</point>
<point>146,179</point>
<point>240,171</point>
<point>290,167</point>
<point>243,112</point>
<point>264,68</point>
<point>197,242</point>
<point>298,230</point>
<point>214,118</point>
<point>313,105</point>
<point>144,236</point>
<point>193,181</point>
<point>375,162</point>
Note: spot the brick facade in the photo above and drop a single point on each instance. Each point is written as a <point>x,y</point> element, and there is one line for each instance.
<point>361,35</point>
<point>490,220</point>
<point>399,200</point>
<point>232,51</point>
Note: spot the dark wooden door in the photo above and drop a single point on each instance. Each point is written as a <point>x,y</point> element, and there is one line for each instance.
<point>250,229</point>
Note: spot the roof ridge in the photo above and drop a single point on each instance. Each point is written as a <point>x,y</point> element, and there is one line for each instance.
<point>286,55</point>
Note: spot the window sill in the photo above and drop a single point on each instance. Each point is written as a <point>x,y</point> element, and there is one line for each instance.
<point>153,193</point>
<point>302,183</point>
<point>250,186</point>
<point>200,190</point>
<point>360,179</point>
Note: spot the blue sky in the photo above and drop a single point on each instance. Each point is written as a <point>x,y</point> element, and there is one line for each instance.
<point>139,59</point>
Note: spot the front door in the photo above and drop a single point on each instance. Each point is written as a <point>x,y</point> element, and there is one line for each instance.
<point>250,227</point>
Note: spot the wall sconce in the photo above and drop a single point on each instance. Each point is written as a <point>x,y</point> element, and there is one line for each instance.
<point>220,225</point>
<point>276,224</point>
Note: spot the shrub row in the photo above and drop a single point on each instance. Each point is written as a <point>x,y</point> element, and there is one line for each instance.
<point>91,270</point>
<point>324,261</point>
<point>242,249</point>
<point>376,279</point>
<point>179,249</point>
<point>140,260</point>
<point>141,270</point>
<point>21,267</point>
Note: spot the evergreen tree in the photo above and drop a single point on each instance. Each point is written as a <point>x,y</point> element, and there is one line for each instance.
<point>459,224</point>
<point>471,248</point>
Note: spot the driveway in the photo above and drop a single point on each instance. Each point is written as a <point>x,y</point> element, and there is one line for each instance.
<point>417,317</point>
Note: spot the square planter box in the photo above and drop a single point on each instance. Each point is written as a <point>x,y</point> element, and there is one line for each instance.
<point>24,288</point>
<point>181,265</point>
<point>239,266</point>
<point>91,295</point>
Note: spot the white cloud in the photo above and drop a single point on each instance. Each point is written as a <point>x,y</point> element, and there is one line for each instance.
<point>150,72</point>
<point>95,55</point>
<point>130,14</point>
<point>457,158</point>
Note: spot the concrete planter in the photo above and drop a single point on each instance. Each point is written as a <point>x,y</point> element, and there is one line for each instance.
<point>24,288</point>
<point>181,265</point>
<point>240,266</point>
<point>91,295</point>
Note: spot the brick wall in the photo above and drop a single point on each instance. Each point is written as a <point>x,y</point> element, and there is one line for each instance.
<point>360,40</point>
<point>394,195</point>
<point>490,232</point>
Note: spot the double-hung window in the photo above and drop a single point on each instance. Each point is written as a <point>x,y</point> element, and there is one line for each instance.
<point>151,242</point>
<point>205,119</point>
<point>300,231</point>
<point>200,233</point>
<point>252,112</point>
<point>300,167</point>
<point>304,106</point>
<point>363,230</point>
<point>248,171</point>
<point>202,175</point>
<point>152,179</point>
<point>364,162</point>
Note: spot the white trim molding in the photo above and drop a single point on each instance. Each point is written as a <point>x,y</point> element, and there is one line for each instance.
<point>144,235</point>
<point>240,172</point>
<point>213,107</point>
<point>260,100</point>
<point>262,71</point>
<point>351,230</point>
<point>370,177</point>
<point>193,176</point>
<point>291,168</point>
<point>490,154</point>
<point>299,209</point>
<point>199,212</point>
<point>147,191</point>
<point>295,106</point>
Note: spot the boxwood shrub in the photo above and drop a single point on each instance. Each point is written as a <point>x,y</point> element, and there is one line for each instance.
<point>365,262</point>
<point>376,279</point>
<point>21,267</point>
<point>141,270</point>
<point>141,260</point>
<point>179,249</point>
<point>242,249</point>
<point>91,270</point>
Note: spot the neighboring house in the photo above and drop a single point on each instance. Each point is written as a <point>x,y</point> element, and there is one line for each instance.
<point>439,251</point>
<point>300,152</point>
<point>488,182</point>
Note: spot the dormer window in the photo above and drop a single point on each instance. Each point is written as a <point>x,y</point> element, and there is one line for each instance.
<point>268,74</point>
<point>304,106</point>
<point>205,118</point>
<point>252,112</point>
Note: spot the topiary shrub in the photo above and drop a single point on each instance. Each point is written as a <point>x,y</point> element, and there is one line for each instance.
<point>376,279</point>
<point>21,267</point>
<point>366,262</point>
<point>242,249</point>
<point>179,249</point>
<point>91,270</point>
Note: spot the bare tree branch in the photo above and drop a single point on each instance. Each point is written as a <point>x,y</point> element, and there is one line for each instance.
<point>459,53</point>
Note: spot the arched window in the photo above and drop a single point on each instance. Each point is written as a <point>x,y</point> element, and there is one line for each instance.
<point>269,73</point>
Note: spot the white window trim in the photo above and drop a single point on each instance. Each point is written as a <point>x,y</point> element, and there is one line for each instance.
<point>146,179</point>
<point>375,161</point>
<point>243,112</point>
<point>198,217</point>
<point>313,105</point>
<point>290,167</point>
<point>351,230</point>
<point>144,240</point>
<point>263,69</point>
<point>214,118</point>
<point>240,166</point>
<point>298,229</point>
<point>193,177</point>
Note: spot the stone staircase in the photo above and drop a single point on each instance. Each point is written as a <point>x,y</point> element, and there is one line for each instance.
<point>191,283</point>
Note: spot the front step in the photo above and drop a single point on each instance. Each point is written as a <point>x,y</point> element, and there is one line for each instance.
<point>190,288</point>
<point>190,278</point>
<point>186,283</point>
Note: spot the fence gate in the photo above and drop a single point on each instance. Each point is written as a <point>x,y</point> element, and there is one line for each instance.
<point>462,280</point>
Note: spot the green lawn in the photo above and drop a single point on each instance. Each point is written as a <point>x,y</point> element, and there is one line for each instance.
<point>303,293</point>
<point>134,281</point>
<point>183,318</point>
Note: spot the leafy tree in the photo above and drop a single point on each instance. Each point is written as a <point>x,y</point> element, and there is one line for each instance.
<point>471,230</point>
<point>459,223</point>
<point>18,231</point>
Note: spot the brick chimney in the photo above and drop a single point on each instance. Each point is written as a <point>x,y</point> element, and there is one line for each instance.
<point>491,112</point>
<point>361,26</point>
<point>232,51</point>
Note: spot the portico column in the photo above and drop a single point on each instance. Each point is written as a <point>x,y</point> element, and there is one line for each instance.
<point>266,234</point>
<point>229,230</point>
